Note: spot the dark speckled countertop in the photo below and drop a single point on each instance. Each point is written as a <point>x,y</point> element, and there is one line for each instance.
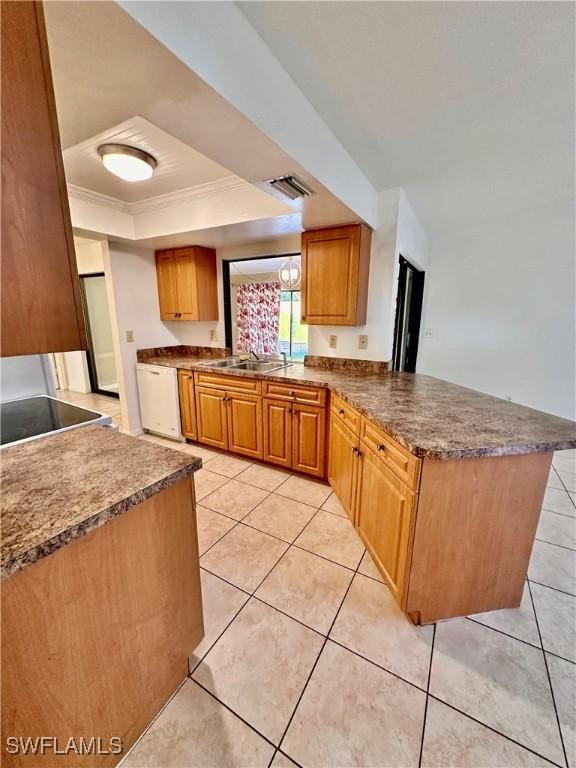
<point>430,417</point>
<point>56,489</point>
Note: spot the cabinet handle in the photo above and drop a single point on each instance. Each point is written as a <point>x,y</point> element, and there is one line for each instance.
<point>381,447</point>
<point>341,412</point>
<point>356,451</point>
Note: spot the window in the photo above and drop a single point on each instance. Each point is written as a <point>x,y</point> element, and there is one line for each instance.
<point>293,336</point>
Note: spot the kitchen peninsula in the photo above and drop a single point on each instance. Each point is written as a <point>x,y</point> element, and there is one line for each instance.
<point>101,601</point>
<point>443,484</point>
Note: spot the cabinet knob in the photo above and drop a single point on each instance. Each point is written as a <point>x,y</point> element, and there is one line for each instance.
<point>356,451</point>
<point>381,447</point>
<point>341,412</point>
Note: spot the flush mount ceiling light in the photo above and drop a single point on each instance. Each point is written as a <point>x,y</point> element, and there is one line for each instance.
<point>289,273</point>
<point>129,163</point>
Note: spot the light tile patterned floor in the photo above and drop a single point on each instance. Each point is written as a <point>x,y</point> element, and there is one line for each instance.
<point>307,660</point>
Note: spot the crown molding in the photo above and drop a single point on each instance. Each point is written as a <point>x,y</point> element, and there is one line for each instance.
<point>216,188</point>
<point>90,196</point>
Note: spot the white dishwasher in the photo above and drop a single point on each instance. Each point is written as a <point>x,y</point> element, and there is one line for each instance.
<point>159,401</point>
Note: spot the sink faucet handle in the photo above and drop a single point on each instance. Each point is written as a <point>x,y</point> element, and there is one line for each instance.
<point>254,355</point>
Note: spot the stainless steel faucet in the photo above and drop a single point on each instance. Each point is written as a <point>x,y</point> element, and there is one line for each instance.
<point>254,355</point>
<point>284,357</point>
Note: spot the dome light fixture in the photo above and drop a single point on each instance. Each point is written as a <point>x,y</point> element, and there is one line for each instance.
<point>289,274</point>
<point>128,163</point>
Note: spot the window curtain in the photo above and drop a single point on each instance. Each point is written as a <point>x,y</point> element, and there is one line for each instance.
<point>258,317</point>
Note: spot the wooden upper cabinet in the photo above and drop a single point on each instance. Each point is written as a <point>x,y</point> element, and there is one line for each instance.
<point>41,308</point>
<point>187,283</point>
<point>335,268</point>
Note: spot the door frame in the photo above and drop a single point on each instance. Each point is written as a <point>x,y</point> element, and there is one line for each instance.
<point>414,317</point>
<point>227,287</point>
<point>90,345</point>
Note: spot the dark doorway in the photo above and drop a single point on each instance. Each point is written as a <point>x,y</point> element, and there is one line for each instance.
<point>408,314</point>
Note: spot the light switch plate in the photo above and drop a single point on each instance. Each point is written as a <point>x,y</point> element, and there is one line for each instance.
<point>129,335</point>
<point>333,340</point>
<point>428,333</point>
<point>363,341</point>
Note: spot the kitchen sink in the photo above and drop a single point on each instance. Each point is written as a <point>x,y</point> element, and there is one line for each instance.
<point>259,366</point>
<point>226,363</point>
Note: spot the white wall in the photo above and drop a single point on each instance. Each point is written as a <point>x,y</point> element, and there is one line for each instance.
<point>25,376</point>
<point>500,303</point>
<point>135,297</point>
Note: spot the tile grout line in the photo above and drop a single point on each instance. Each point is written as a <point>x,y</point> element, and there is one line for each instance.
<point>309,677</point>
<point>555,512</point>
<point>226,706</point>
<point>501,631</point>
<point>554,544</point>
<point>490,728</point>
<point>427,698</point>
<point>549,680</point>
<point>540,584</point>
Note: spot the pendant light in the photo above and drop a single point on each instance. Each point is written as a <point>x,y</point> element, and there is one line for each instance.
<point>289,274</point>
<point>128,163</point>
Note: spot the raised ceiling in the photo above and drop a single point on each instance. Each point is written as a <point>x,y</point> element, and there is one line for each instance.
<point>108,69</point>
<point>468,105</point>
<point>179,166</point>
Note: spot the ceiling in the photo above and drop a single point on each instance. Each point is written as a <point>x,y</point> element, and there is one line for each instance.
<point>179,166</point>
<point>468,105</point>
<point>107,69</point>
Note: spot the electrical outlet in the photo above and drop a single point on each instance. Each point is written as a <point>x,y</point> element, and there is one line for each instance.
<point>428,333</point>
<point>333,340</point>
<point>213,335</point>
<point>363,341</point>
<point>129,335</point>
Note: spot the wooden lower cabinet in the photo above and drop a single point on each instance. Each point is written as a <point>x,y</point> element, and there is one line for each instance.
<point>97,637</point>
<point>343,463</point>
<point>212,417</point>
<point>187,404</point>
<point>384,516</point>
<point>244,424</point>
<point>309,439</point>
<point>277,432</point>
<point>295,436</point>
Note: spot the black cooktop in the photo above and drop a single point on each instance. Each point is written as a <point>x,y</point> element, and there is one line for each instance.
<point>32,416</point>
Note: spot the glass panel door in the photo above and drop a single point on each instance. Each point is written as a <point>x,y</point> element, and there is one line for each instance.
<point>101,360</point>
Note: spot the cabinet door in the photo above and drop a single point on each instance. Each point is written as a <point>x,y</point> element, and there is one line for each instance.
<point>166,276</point>
<point>40,303</point>
<point>277,433</point>
<point>343,464</point>
<point>212,423</point>
<point>244,424</point>
<point>384,515</point>
<point>335,263</point>
<point>309,439</point>
<point>186,288</point>
<point>187,404</point>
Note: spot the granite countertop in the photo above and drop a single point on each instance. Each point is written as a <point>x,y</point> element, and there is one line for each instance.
<point>57,489</point>
<point>430,417</point>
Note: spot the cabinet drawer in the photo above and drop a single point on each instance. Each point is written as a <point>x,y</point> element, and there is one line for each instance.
<point>228,383</point>
<point>295,392</point>
<point>404,464</point>
<point>346,413</point>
